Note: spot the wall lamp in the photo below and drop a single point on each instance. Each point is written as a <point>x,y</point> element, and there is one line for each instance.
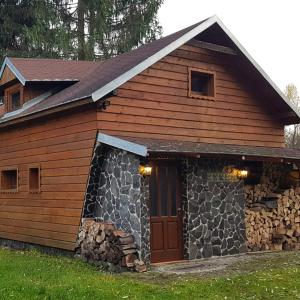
<point>145,170</point>
<point>236,173</point>
<point>242,174</point>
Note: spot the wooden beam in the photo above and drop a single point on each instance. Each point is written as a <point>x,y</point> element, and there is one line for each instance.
<point>210,46</point>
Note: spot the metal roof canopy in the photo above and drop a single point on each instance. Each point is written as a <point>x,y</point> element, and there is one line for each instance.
<point>122,144</point>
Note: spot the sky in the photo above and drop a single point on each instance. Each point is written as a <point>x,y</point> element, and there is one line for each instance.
<point>268,29</point>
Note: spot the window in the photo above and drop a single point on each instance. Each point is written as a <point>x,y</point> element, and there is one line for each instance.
<point>9,180</point>
<point>201,84</point>
<point>13,98</point>
<point>1,99</point>
<point>34,179</point>
<point>15,101</point>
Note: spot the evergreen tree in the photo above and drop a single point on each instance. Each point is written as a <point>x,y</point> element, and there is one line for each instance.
<point>50,35</point>
<point>34,28</point>
<point>105,28</point>
<point>13,16</point>
<point>76,29</point>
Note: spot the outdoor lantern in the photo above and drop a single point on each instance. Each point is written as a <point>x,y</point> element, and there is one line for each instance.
<point>242,174</point>
<point>236,173</point>
<point>145,170</point>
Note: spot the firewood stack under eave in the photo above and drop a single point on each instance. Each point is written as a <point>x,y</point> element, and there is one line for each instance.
<point>272,219</point>
<point>101,243</point>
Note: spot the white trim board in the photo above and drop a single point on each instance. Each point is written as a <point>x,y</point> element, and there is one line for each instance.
<point>122,144</point>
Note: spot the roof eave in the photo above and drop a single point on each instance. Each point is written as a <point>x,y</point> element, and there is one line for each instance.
<point>47,111</point>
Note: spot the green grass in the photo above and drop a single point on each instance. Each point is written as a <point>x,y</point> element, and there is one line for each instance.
<point>32,275</point>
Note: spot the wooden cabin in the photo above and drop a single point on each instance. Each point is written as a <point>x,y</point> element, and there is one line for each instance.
<point>157,141</point>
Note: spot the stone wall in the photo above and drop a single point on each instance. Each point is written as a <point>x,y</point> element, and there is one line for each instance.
<point>213,206</point>
<point>117,193</point>
<point>214,210</point>
<point>94,181</point>
<point>145,220</point>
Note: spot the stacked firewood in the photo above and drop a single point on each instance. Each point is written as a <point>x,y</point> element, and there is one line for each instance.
<point>272,218</point>
<point>101,243</point>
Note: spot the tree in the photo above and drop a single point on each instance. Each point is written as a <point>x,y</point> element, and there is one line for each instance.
<point>292,132</point>
<point>50,35</point>
<point>12,16</point>
<point>34,28</point>
<point>105,28</point>
<point>76,29</point>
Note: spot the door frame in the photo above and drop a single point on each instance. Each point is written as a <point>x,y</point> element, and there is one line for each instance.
<point>180,213</point>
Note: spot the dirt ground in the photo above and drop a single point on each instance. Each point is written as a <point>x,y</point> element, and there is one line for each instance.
<point>219,266</point>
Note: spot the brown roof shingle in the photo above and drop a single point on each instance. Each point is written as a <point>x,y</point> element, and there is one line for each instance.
<point>52,69</point>
<point>176,147</point>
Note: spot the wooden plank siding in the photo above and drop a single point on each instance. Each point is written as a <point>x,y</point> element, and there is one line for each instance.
<point>155,104</point>
<point>7,76</point>
<point>62,146</point>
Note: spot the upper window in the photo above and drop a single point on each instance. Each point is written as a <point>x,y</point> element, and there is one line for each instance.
<point>13,98</point>
<point>201,84</point>
<point>9,180</point>
<point>1,99</point>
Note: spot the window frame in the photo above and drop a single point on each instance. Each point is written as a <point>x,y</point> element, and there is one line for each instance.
<point>2,190</point>
<point>9,92</point>
<point>2,100</point>
<point>193,94</point>
<point>38,190</point>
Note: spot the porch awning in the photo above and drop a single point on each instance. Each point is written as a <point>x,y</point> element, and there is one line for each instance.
<point>162,147</point>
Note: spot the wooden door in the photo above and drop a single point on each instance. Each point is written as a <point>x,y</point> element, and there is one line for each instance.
<point>165,212</point>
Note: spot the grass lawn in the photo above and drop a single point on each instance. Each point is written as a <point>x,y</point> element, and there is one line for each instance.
<point>32,275</point>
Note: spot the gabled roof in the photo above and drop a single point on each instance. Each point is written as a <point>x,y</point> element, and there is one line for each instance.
<point>108,75</point>
<point>32,69</point>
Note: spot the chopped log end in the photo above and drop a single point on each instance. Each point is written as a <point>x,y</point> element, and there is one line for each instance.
<point>272,218</point>
<point>101,243</point>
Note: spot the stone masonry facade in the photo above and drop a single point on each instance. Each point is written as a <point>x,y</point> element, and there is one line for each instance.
<point>214,210</point>
<point>117,193</point>
<point>213,206</point>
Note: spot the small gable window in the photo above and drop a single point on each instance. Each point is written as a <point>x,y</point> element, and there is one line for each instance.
<point>201,84</point>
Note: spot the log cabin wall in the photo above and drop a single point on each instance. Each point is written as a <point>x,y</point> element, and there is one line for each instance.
<point>7,76</point>
<point>155,104</point>
<point>61,147</point>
